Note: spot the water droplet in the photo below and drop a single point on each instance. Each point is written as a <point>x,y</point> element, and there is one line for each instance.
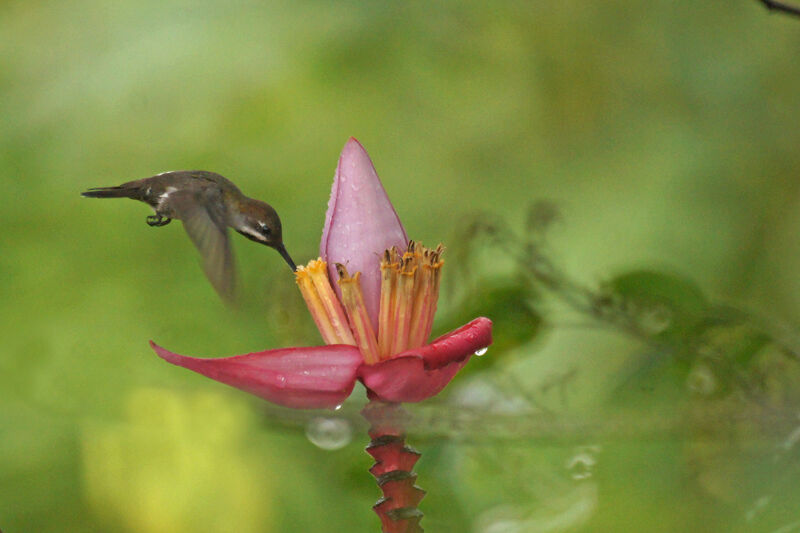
<point>337,407</point>
<point>581,464</point>
<point>481,351</point>
<point>329,433</point>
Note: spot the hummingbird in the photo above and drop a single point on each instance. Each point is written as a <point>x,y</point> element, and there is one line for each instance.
<point>207,204</point>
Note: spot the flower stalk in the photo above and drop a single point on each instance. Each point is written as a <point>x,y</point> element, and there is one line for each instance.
<point>393,468</point>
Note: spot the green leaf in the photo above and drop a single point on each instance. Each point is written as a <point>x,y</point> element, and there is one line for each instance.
<point>664,305</point>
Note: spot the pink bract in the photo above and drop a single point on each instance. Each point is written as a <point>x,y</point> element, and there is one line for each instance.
<point>360,224</point>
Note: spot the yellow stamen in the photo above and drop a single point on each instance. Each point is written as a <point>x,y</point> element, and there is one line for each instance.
<point>422,298</point>
<point>436,276</point>
<point>409,295</point>
<point>353,301</point>
<point>315,307</point>
<point>426,296</point>
<point>318,271</point>
<point>404,304</point>
<point>389,273</point>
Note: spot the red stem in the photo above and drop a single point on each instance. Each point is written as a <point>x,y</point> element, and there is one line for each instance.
<point>393,468</point>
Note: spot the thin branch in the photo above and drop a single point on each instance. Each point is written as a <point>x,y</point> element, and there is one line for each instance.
<point>781,7</point>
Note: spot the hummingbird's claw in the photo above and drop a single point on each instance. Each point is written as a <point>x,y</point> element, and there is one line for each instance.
<point>158,221</point>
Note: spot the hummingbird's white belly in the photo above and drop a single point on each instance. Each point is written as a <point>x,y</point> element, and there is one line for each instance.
<point>164,195</point>
<point>159,208</point>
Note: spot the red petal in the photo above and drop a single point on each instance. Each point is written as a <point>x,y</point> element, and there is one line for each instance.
<point>418,374</point>
<point>457,344</point>
<point>360,224</point>
<point>302,378</point>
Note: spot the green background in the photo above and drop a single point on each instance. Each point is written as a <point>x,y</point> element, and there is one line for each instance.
<point>666,132</point>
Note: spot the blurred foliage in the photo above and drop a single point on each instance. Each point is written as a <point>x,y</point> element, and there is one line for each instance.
<point>646,314</point>
<point>666,306</point>
<point>742,382</point>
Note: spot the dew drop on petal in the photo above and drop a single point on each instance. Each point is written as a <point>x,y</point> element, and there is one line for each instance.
<point>481,351</point>
<point>329,433</point>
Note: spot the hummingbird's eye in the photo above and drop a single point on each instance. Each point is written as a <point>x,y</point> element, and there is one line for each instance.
<point>265,230</point>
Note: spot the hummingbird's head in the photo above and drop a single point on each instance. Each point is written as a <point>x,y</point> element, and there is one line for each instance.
<point>259,222</point>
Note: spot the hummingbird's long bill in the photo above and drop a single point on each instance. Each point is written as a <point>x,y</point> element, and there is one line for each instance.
<point>282,250</point>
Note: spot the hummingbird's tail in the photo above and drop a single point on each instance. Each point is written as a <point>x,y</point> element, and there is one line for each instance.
<point>110,192</point>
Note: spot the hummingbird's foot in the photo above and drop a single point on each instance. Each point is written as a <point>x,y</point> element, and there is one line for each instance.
<point>158,221</point>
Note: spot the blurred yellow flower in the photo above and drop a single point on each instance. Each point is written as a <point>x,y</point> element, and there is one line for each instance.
<point>178,463</point>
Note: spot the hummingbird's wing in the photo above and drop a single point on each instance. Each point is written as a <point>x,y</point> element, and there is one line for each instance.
<point>206,226</point>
